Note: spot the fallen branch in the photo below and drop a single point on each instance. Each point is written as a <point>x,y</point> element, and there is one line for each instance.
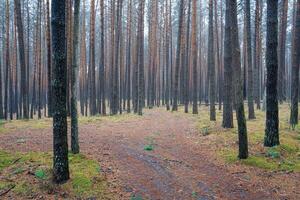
<point>7,190</point>
<point>15,161</point>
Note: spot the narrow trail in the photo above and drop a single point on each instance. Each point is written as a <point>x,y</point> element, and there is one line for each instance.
<point>178,167</point>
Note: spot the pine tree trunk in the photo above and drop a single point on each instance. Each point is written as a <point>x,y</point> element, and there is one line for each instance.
<point>74,80</point>
<point>92,72</point>
<point>49,61</point>
<point>102,68</point>
<point>282,52</point>
<point>272,121</point>
<point>140,40</point>
<point>178,52</point>
<point>251,114</point>
<point>194,57</point>
<point>60,142</point>
<point>24,92</point>
<point>128,57</point>
<point>295,69</point>
<point>211,65</point>
<point>228,71</point>
<point>236,63</point>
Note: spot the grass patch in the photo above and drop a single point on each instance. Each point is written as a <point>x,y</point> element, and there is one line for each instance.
<point>32,176</point>
<point>14,125</point>
<point>286,156</point>
<point>109,118</point>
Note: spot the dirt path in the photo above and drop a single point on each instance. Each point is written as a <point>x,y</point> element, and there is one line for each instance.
<point>177,168</point>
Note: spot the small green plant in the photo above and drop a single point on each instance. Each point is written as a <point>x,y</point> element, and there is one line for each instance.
<point>40,174</point>
<point>273,153</point>
<point>205,131</point>
<point>149,147</point>
<point>194,194</point>
<point>136,197</point>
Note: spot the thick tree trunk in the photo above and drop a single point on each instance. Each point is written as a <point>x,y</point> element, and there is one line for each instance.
<point>24,93</point>
<point>60,142</point>
<point>178,52</point>
<point>228,72</point>
<point>236,63</point>
<point>272,121</point>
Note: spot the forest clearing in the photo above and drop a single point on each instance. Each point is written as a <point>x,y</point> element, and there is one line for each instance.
<point>190,158</point>
<point>149,99</point>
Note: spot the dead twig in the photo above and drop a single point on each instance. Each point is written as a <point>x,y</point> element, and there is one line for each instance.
<point>7,190</point>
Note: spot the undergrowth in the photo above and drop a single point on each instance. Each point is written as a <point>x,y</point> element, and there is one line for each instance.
<point>30,176</point>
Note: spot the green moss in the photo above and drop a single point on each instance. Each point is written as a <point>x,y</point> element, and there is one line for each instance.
<point>40,174</point>
<point>5,160</point>
<point>23,188</point>
<point>260,162</point>
<point>228,155</point>
<point>86,180</point>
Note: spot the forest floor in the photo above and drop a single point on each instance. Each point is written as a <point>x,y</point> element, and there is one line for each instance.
<point>161,155</point>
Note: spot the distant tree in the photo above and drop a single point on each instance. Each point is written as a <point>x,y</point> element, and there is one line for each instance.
<point>211,64</point>
<point>74,80</point>
<point>251,113</point>
<point>49,63</point>
<point>228,72</point>
<point>272,121</point>
<point>178,51</point>
<point>186,61</point>
<point>102,67</point>
<point>167,54</point>
<point>194,58</point>
<point>92,85</point>
<point>60,139</point>
<point>24,94</point>
<point>140,40</point>
<point>295,69</point>
<point>282,51</point>
<point>7,61</point>
<point>128,56</point>
<point>39,57</point>
<point>257,53</point>
<point>1,85</point>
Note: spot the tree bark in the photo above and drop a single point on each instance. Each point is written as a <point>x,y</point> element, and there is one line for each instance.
<point>60,142</point>
<point>272,121</point>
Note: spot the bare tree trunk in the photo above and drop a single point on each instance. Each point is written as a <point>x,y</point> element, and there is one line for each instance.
<point>236,63</point>
<point>60,142</point>
<point>211,65</point>
<point>272,121</point>
<point>295,69</point>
